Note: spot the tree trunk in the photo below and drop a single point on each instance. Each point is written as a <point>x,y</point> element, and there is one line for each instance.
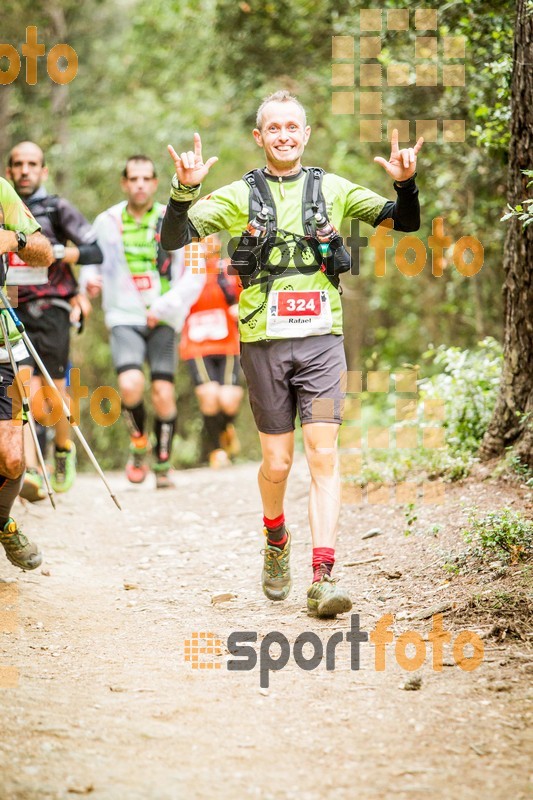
<point>512,421</point>
<point>60,102</point>
<point>5,118</point>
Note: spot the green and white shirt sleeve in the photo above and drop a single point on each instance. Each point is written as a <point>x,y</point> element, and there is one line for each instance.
<point>225,209</point>
<point>13,213</point>
<point>14,216</point>
<point>345,199</point>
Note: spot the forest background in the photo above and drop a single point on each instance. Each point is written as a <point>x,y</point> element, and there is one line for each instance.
<point>153,72</point>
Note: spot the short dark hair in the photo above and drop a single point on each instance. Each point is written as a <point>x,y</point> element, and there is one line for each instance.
<point>139,157</point>
<point>10,159</point>
<point>281,96</point>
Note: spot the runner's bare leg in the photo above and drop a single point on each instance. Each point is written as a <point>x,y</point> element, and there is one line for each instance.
<point>320,442</point>
<point>278,451</point>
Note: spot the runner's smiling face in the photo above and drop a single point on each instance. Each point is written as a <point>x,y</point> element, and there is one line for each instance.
<point>283,136</point>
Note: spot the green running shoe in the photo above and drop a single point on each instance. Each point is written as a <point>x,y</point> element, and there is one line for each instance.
<point>64,472</point>
<point>33,486</point>
<point>162,475</point>
<point>326,599</point>
<point>276,575</point>
<point>19,550</point>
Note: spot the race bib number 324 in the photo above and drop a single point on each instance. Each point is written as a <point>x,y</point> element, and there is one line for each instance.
<point>306,304</point>
<point>298,314</point>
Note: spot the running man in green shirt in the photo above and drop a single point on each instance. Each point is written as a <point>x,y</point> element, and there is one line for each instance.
<point>19,234</point>
<point>291,320</point>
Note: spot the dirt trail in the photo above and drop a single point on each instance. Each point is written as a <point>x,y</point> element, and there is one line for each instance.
<point>107,706</point>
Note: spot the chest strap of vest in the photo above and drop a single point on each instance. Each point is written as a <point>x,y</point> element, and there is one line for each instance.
<point>260,198</point>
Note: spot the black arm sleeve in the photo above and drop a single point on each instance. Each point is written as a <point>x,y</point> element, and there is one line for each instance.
<point>405,212</point>
<point>90,254</point>
<point>176,230</point>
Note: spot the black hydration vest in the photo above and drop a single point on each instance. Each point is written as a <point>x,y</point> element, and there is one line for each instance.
<point>251,255</point>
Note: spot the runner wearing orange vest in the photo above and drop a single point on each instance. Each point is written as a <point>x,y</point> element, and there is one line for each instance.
<point>210,346</point>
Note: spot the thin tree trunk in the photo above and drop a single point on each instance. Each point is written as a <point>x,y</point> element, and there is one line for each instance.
<point>60,101</point>
<point>512,422</point>
<point>5,117</point>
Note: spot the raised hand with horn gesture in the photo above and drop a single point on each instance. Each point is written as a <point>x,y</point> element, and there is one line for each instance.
<point>402,163</point>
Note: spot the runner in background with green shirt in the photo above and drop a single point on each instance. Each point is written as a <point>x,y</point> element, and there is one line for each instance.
<point>147,293</point>
<point>19,233</point>
<point>291,325</point>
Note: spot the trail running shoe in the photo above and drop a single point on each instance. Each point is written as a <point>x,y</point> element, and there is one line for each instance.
<point>33,486</point>
<point>19,550</point>
<point>162,475</point>
<point>137,468</point>
<point>326,599</point>
<point>64,472</point>
<point>229,441</point>
<point>276,575</point>
<point>218,459</point>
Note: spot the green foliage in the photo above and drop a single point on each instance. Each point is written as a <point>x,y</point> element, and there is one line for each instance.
<point>153,72</point>
<point>503,533</point>
<point>468,384</point>
<point>522,470</point>
<point>525,216</point>
<point>410,518</point>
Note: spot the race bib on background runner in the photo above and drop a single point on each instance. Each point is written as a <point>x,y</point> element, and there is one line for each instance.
<point>148,285</point>
<point>208,325</point>
<point>20,274</point>
<point>298,314</point>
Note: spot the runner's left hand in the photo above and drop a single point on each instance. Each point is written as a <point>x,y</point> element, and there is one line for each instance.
<point>402,163</point>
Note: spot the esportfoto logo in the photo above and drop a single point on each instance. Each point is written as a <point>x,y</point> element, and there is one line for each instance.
<point>309,651</point>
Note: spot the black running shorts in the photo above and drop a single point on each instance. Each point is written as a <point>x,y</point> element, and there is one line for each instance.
<point>49,331</point>
<point>224,370</point>
<point>288,375</point>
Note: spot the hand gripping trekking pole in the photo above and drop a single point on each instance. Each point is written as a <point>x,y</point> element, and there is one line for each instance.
<point>26,407</point>
<point>27,341</point>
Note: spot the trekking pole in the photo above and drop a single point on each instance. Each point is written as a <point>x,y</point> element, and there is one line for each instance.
<point>27,341</point>
<point>26,407</point>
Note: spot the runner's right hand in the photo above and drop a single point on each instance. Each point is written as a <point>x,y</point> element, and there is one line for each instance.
<point>190,168</point>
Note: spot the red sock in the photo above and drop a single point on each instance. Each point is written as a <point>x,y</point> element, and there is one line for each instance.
<point>323,561</point>
<point>276,531</point>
